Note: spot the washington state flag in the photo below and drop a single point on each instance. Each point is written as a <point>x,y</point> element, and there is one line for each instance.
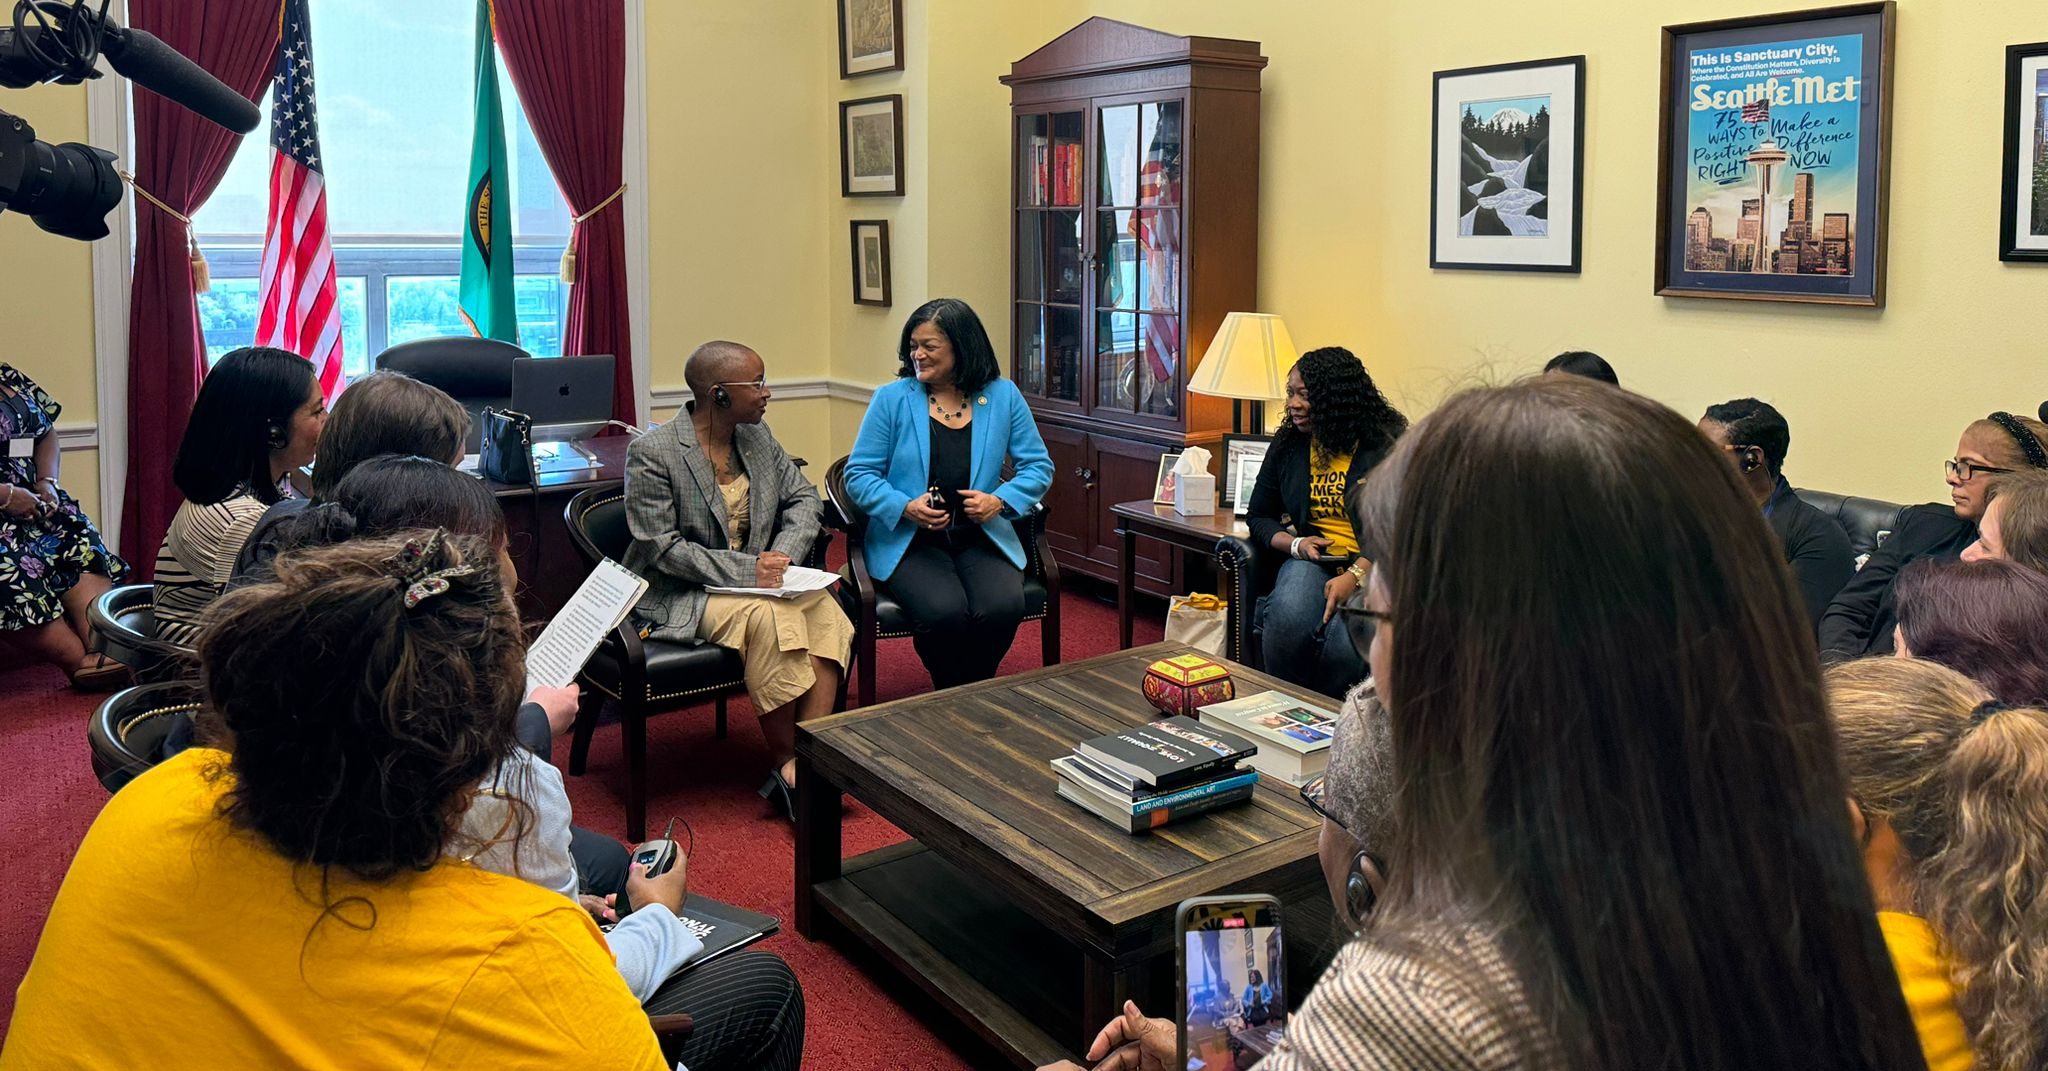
<point>486,289</point>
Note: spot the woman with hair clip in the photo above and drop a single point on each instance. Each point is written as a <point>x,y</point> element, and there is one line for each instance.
<point>1617,837</point>
<point>1945,788</point>
<point>1338,427</point>
<point>927,471</point>
<point>288,900</point>
<point>258,417</point>
<point>1861,619</point>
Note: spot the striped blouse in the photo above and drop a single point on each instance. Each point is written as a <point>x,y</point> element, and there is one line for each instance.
<point>194,563</point>
<point>1462,1009</point>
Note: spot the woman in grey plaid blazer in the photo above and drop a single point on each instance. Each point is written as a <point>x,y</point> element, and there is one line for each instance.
<point>713,500</point>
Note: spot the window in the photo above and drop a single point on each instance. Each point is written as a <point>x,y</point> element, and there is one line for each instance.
<point>395,136</point>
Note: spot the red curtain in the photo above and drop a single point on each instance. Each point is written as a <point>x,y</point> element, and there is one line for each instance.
<point>179,158</point>
<point>567,59</point>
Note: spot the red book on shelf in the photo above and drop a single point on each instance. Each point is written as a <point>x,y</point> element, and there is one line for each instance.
<point>1062,192</point>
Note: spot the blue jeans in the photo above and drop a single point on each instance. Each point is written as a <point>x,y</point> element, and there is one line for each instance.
<point>1293,644</point>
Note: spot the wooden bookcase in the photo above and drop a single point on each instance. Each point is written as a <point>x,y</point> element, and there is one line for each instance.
<point>1135,229</point>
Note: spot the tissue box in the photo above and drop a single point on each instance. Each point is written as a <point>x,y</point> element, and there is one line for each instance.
<point>1179,684</point>
<point>1194,494</point>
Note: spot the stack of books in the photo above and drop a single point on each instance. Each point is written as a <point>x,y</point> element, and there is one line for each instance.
<point>1293,736</point>
<point>1145,777</point>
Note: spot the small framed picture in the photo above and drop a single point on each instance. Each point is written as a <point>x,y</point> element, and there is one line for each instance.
<point>870,37</point>
<point>2023,222</point>
<point>1162,485</point>
<point>1507,153</point>
<point>1238,451</point>
<point>871,262</point>
<point>871,147</point>
<point>1247,478</point>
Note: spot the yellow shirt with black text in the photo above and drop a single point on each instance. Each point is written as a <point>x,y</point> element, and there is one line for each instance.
<point>1327,479</point>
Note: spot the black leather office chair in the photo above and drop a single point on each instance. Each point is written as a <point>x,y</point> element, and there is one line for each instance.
<point>124,628</point>
<point>127,732</point>
<point>1867,520</point>
<point>475,371</point>
<point>877,616</point>
<point>646,676</point>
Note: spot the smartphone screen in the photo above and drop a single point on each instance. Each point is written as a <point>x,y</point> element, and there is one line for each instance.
<point>1234,1004</point>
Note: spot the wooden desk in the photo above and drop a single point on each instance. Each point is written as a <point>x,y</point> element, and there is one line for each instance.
<point>549,569</point>
<point>1009,895</point>
<point>1196,535</point>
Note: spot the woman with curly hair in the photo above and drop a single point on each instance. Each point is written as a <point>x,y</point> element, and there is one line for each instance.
<point>1338,427</point>
<point>1945,793</point>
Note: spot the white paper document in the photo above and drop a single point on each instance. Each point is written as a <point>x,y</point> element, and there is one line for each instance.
<point>796,580</point>
<point>604,600</point>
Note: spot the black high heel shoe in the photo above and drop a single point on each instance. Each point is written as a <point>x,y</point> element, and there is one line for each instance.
<point>780,793</point>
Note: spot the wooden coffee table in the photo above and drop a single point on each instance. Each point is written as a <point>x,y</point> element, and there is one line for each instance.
<point>1026,917</point>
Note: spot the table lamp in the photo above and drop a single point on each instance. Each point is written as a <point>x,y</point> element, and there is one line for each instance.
<point>1246,361</point>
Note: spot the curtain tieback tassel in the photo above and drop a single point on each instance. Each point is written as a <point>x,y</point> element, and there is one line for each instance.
<point>202,273</point>
<point>569,251</point>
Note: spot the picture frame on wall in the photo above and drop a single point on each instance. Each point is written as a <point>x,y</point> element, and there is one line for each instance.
<point>1162,484</point>
<point>1241,452</point>
<point>870,238</point>
<point>2023,215</point>
<point>1507,165</point>
<point>871,146</point>
<point>1774,156</point>
<point>870,37</point>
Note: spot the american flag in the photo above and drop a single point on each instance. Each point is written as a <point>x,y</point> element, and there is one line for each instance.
<point>300,311</point>
<point>1158,236</point>
<point>1757,111</point>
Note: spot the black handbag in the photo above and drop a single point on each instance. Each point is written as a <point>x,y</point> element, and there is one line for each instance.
<point>507,451</point>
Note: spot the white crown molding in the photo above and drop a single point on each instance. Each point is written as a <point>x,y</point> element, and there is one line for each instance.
<point>113,261</point>
<point>789,390</point>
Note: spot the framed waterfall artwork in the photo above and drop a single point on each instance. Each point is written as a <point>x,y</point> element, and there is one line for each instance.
<point>2023,219</point>
<point>1507,152</point>
<point>1774,156</point>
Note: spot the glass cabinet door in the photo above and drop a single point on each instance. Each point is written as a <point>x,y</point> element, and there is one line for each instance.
<point>1138,339</point>
<point>1050,159</point>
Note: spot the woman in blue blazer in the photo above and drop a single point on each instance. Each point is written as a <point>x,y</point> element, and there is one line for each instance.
<point>927,470</point>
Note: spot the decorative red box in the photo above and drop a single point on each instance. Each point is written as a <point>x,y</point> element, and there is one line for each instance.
<point>1179,684</point>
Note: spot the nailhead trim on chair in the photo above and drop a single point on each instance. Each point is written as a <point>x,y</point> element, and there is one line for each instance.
<point>128,724</point>
<point>654,696</point>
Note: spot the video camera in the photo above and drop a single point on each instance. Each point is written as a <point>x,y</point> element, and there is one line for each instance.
<point>69,189</point>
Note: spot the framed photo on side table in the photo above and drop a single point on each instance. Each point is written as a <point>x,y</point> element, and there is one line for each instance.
<point>1240,452</point>
<point>870,37</point>
<point>870,239</point>
<point>2023,217</point>
<point>1774,156</point>
<point>871,147</point>
<point>1162,484</point>
<point>1507,155</point>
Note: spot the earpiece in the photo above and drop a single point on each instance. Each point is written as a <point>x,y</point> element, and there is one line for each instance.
<point>1750,461</point>
<point>720,398</point>
<point>1359,897</point>
<point>277,438</point>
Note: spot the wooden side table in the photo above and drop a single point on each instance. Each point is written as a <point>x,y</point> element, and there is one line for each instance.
<point>1195,534</point>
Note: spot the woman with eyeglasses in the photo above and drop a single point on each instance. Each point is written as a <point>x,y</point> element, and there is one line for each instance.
<point>1617,838</point>
<point>1863,617</point>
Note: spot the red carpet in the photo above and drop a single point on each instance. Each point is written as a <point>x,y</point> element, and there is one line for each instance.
<point>744,854</point>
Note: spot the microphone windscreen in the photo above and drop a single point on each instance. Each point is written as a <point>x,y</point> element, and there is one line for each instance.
<point>158,67</point>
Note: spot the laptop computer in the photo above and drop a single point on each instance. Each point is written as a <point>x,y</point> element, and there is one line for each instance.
<point>567,397</point>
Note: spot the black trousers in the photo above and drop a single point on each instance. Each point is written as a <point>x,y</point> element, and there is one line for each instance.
<point>965,601</point>
<point>748,1010</point>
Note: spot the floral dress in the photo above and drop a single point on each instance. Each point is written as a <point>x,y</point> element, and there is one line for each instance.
<point>41,557</point>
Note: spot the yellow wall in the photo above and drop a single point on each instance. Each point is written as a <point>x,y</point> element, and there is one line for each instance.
<point>46,292</point>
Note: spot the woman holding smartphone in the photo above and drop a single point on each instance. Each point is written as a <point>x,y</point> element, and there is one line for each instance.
<point>1618,837</point>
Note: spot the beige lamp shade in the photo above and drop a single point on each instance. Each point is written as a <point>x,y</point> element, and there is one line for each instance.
<point>1248,358</point>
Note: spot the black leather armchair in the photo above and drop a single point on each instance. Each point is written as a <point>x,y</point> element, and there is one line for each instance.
<point>127,732</point>
<point>474,371</point>
<point>124,628</point>
<point>877,616</point>
<point>1867,520</point>
<point>646,676</point>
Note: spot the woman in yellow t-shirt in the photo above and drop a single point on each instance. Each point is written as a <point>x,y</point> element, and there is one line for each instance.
<point>1338,427</point>
<point>287,903</point>
<point>1945,787</point>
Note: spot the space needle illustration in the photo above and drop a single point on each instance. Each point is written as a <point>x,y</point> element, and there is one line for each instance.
<point>1764,157</point>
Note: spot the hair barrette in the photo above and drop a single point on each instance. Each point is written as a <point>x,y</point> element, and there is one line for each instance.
<point>1986,709</point>
<point>432,584</point>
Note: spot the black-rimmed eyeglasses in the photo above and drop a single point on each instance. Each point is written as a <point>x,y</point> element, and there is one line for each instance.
<point>1964,470</point>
